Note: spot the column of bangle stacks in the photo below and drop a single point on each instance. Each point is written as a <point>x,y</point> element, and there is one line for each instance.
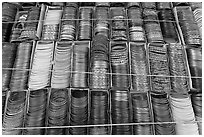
<point>85,23</point>
<point>119,65</point>
<point>101,25</point>
<point>21,68</point>
<point>135,23</point>
<point>139,67</point>
<point>194,56</point>
<point>167,22</point>
<point>99,113</point>
<point>188,25</point>
<point>61,72</point>
<point>9,11</point>
<point>120,112</point>
<point>19,25</point>
<point>78,112</point>
<point>160,103</point>
<point>68,24</point>
<point>8,59</point>
<point>119,24</point>
<point>36,112</point>
<point>159,68</point>
<point>80,65</point>
<point>31,25</point>
<point>41,65</point>
<point>183,115</point>
<point>178,69</point>
<point>51,23</point>
<point>151,23</point>
<point>141,111</point>
<point>99,67</point>
<point>57,111</point>
<point>14,113</point>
